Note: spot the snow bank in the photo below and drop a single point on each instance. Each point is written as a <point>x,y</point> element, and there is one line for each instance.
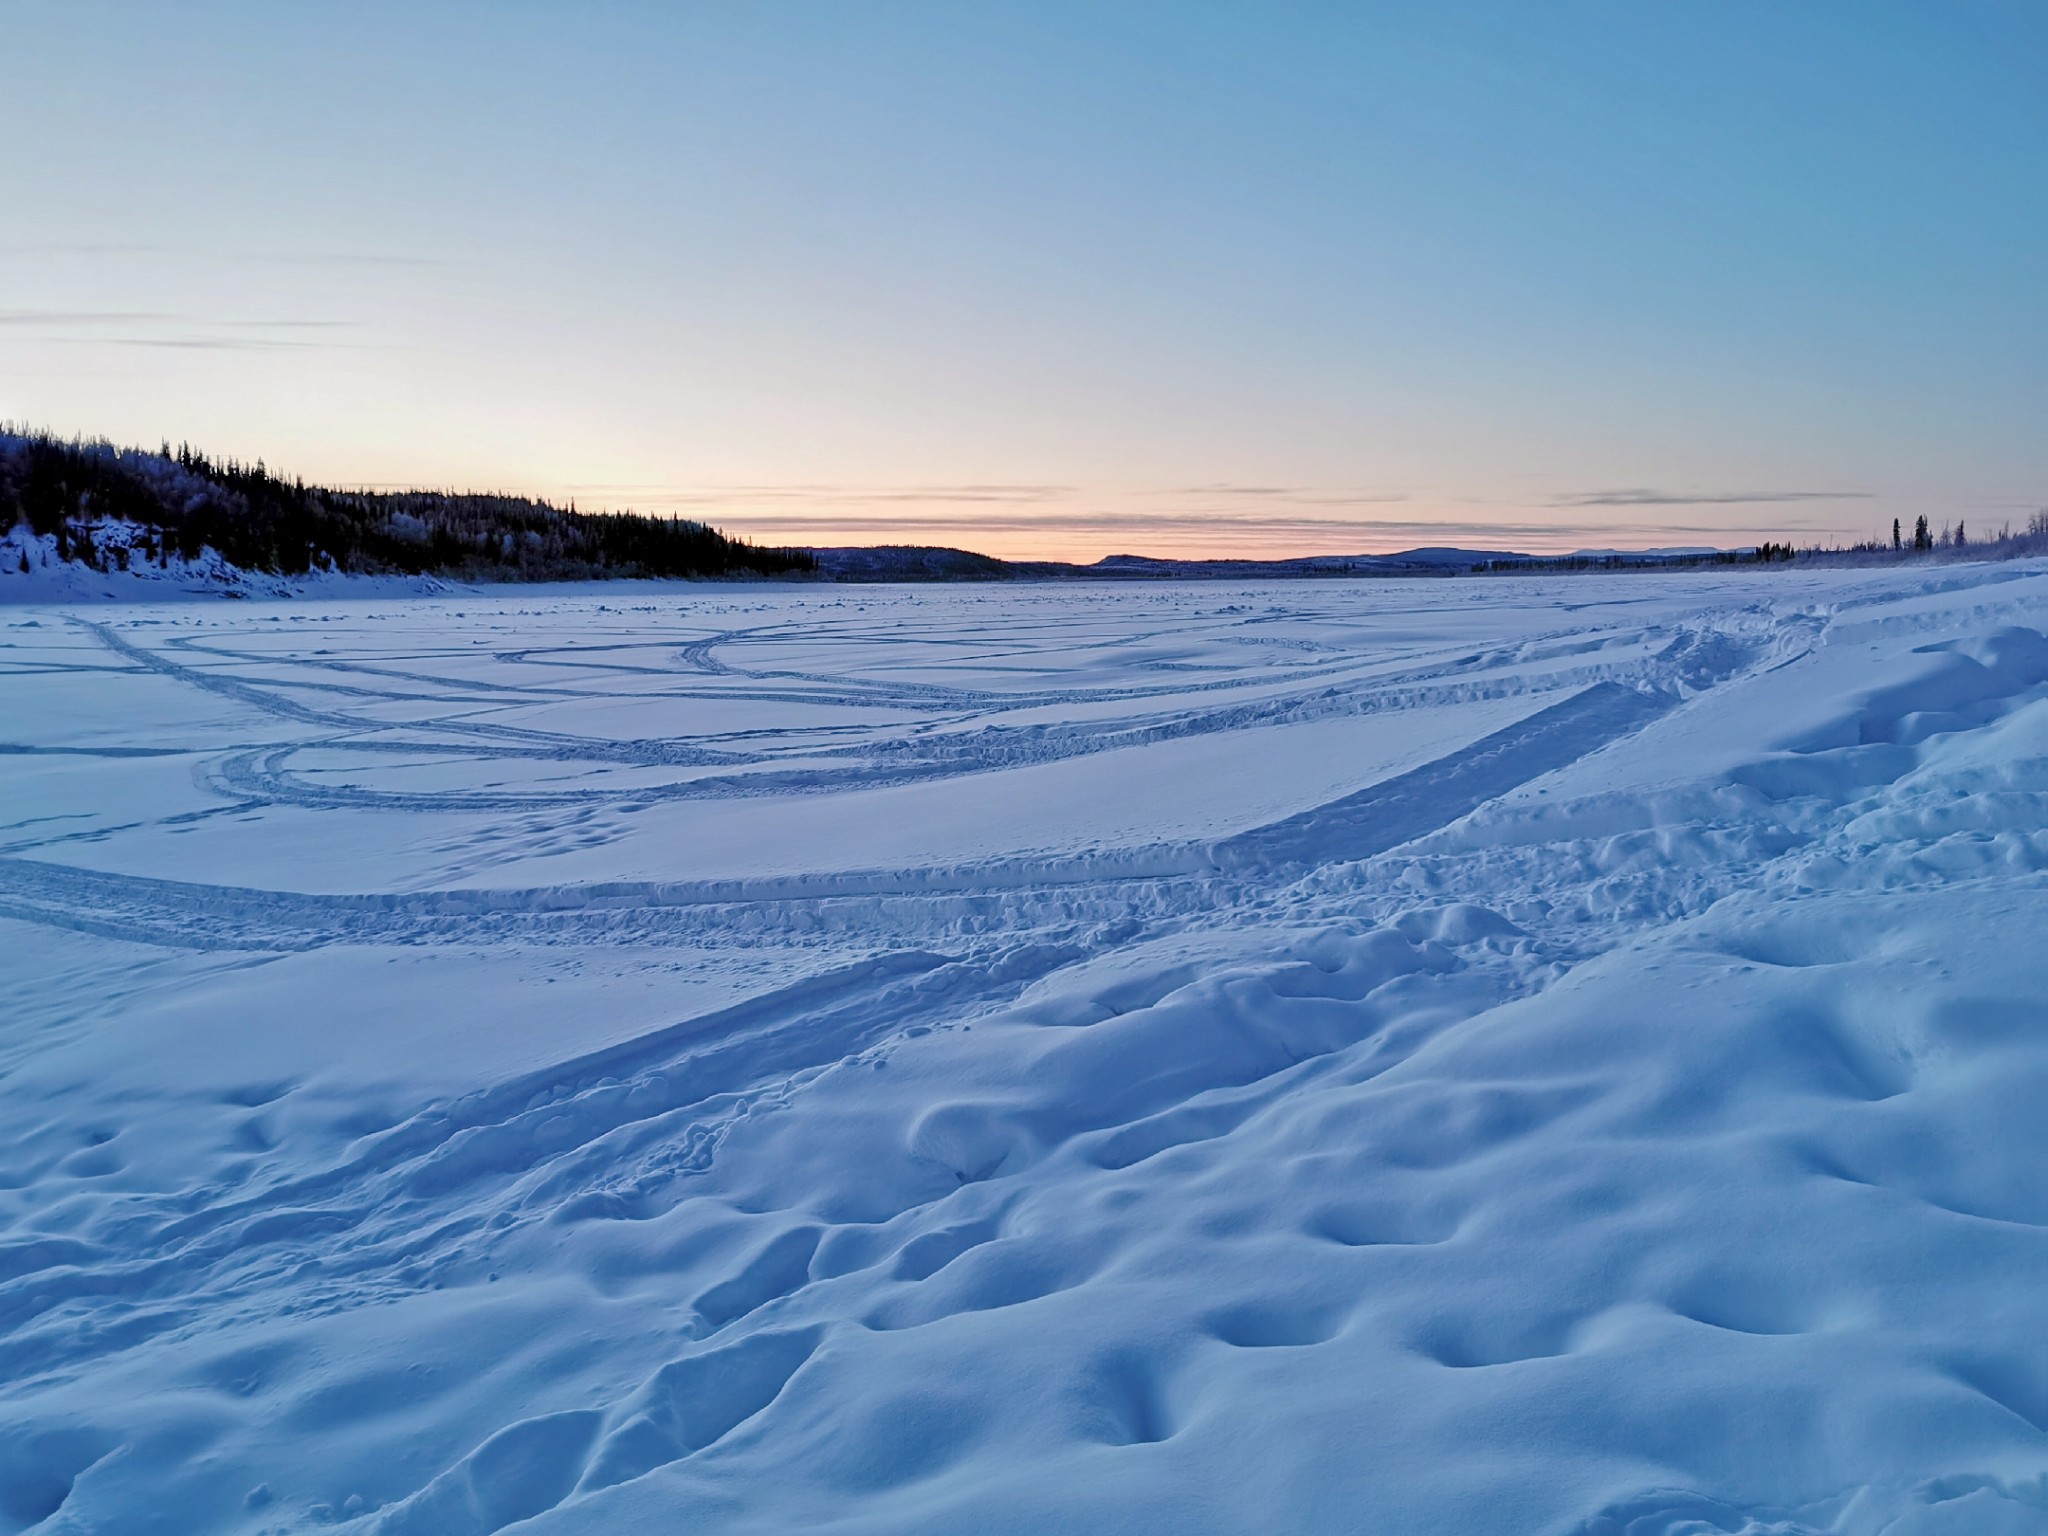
<point>1514,1055</point>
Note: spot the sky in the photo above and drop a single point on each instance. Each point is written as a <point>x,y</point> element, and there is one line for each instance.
<point>1057,279</point>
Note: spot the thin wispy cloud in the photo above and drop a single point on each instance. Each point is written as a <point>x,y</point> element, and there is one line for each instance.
<point>1197,497</point>
<point>144,248</point>
<point>971,493</point>
<point>286,325</point>
<point>164,329</point>
<point>339,259</point>
<point>1297,495</point>
<point>81,248</point>
<point>825,495</point>
<point>64,317</point>
<point>1642,497</point>
<point>1339,500</point>
<point>198,343</point>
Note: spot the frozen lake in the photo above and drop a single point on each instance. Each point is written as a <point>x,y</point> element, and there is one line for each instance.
<point>1448,1056</point>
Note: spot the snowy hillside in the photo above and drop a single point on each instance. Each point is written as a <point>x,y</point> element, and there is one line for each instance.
<point>91,519</point>
<point>1519,1055</point>
<point>113,559</point>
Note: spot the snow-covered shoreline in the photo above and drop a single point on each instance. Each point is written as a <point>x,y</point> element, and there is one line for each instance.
<point>33,575</point>
<point>1553,1055</point>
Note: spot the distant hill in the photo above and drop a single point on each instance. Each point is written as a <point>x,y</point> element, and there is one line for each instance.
<point>1413,562</point>
<point>912,562</point>
<point>105,508</point>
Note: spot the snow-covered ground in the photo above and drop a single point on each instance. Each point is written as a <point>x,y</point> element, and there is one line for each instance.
<point>1515,1055</point>
<point>130,566</point>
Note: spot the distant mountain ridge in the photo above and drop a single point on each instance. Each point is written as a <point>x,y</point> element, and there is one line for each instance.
<point>917,562</point>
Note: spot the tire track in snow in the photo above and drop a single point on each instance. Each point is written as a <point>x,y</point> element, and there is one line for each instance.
<point>1356,826</point>
<point>264,774</point>
<point>602,1135</point>
<point>608,1134</point>
<point>1013,899</point>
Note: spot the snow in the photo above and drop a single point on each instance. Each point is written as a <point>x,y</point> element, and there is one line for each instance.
<point>1537,1054</point>
<point>130,569</point>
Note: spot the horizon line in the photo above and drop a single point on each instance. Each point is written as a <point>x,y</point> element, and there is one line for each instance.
<point>1025,521</point>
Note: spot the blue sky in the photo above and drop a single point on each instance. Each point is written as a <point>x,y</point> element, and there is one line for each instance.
<point>1057,279</point>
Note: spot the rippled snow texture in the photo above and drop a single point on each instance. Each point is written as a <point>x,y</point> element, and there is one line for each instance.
<point>1454,1056</point>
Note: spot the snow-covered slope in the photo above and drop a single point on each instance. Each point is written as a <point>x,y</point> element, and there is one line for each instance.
<point>33,570</point>
<point>129,564</point>
<point>1521,1055</point>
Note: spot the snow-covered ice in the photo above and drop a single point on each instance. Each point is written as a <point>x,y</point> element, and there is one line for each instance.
<point>1503,1055</point>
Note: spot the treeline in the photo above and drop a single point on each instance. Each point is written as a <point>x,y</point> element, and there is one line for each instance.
<point>1951,542</point>
<point>2032,539</point>
<point>1763,554</point>
<point>1955,541</point>
<point>183,503</point>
